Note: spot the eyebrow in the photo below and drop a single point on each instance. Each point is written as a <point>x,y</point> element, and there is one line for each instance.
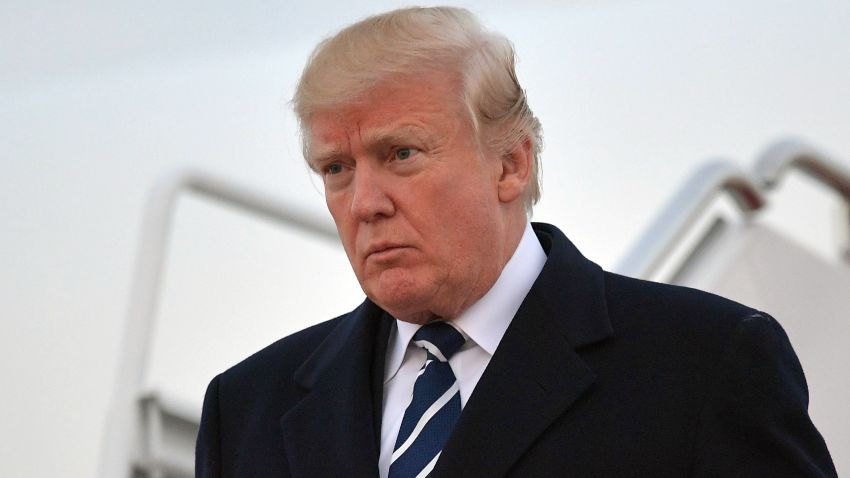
<point>323,154</point>
<point>395,134</point>
<point>373,140</point>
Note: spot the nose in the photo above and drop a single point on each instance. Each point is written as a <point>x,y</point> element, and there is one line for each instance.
<point>370,200</point>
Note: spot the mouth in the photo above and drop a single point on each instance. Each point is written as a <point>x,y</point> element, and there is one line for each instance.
<point>383,250</point>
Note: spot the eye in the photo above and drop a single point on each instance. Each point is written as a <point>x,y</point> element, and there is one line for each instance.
<point>333,168</point>
<point>405,153</point>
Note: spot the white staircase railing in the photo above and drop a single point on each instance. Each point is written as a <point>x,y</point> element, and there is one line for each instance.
<point>134,420</point>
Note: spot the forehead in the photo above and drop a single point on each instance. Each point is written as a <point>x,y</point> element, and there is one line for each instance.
<point>396,106</point>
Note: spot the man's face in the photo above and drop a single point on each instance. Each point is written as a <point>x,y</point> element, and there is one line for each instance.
<point>414,198</point>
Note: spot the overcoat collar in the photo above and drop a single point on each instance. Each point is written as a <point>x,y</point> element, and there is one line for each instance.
<point>533,378</point>
<point>536,374</point>
<point>334,429</point>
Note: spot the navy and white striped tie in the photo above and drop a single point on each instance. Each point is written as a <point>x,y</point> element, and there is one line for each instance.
<point>435,407</point>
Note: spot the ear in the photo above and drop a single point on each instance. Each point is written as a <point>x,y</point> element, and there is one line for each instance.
<point>516,171</point>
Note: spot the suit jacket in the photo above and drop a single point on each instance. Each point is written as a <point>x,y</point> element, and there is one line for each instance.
<point>598,375</point>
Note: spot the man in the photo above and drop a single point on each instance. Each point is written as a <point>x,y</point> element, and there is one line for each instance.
<point>487,346</point>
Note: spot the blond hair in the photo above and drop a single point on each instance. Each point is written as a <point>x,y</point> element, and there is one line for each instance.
<point>426,39</point>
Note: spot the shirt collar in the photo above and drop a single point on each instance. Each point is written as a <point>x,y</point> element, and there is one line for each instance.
<point>486,321</point>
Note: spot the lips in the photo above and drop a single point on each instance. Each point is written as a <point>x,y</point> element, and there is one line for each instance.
<point>382,248</point>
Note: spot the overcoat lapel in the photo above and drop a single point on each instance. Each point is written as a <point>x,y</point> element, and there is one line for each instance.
<point>536,374</point>
<point>533,378</point>
<point>332,431</point>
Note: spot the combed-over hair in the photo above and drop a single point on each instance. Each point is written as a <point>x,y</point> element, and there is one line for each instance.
<point>412,40</point>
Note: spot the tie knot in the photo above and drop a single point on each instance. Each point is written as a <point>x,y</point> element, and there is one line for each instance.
<point>440,340</point>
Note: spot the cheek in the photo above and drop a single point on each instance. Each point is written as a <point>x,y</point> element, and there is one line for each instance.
<point>460,215</point>
<point>338,205</point>
<point>472,228</point>
<point>344,226</point>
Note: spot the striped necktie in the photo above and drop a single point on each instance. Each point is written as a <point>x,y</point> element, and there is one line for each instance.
<point>435,407</point>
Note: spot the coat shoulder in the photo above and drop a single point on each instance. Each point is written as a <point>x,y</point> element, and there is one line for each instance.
<point>279,360</point>
<point>686,329</point>
<point>640,304</point>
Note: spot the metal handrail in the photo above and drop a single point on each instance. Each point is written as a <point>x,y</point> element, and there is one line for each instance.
<point>124,422</point>
<point>685,208</point>
<point>789,154</point>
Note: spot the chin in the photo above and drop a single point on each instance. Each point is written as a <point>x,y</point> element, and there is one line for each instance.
<point>403,300</point>
<point>404,307</point>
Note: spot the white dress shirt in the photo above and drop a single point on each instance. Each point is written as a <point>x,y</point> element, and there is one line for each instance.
<point>483,326</point>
